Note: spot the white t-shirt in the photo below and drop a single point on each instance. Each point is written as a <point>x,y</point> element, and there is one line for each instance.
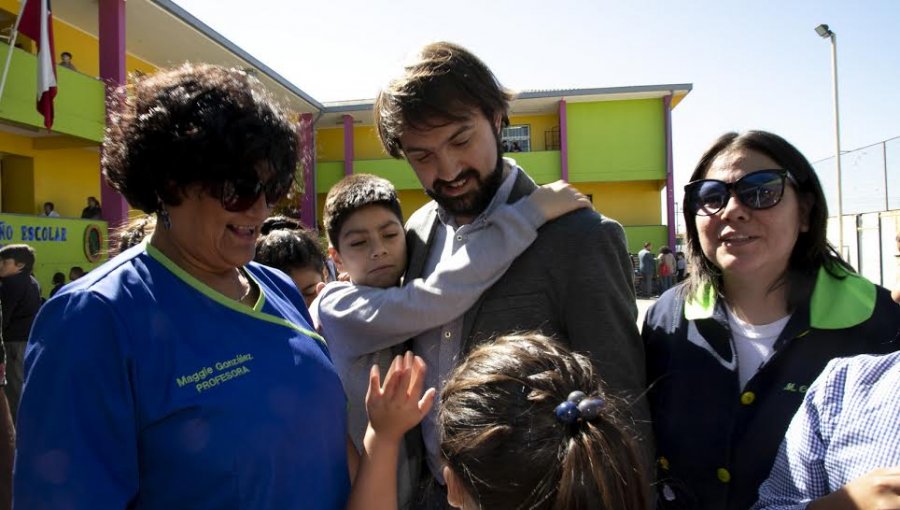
<point>754,344</point>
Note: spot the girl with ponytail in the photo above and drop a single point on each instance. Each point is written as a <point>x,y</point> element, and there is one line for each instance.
<point>526,424</point>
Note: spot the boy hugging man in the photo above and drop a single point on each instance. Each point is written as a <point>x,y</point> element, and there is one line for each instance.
<point>364,318</point>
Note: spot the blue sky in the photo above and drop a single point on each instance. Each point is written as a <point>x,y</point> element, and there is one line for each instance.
<point>753,65</point>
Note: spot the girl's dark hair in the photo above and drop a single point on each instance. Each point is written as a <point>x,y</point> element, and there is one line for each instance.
<point>811,251</point>
<point>442,85</point>
<point>501,437</point>
<point>133,232</point>
<point>194,124</point>
<point>59,278</point>
<point>284,244</point>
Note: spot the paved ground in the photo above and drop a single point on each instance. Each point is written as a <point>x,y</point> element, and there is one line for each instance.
<point>643,305</point>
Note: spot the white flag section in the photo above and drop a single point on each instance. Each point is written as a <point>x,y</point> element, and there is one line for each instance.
<point>36,22</point>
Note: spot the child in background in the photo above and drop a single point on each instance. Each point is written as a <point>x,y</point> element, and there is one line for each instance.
<point>284,244</point>
<point>525,423</point>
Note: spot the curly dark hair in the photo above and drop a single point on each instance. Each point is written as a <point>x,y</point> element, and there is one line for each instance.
<point>193,124</point>
<point>284,244</point>
<point>501,437</point>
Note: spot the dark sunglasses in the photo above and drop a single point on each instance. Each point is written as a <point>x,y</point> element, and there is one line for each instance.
<point>761,189</point>
<point>240,194</point>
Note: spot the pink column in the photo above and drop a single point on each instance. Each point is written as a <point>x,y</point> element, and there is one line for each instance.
<point>307,163</point>
<point>348,145</point>
<point>563,142</point>
<point>112,72</point>
<point>670,179</point>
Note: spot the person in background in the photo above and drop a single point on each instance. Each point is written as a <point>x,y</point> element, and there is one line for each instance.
<point>525,423</point>
<point>75,273</point>
<point>20,300</point>
<point>842,449</point>
<point>680,266</point>
<point>93,210</point>
<point>65,60</point>
<point>666,269</point>
<point>768,303</point>
<point>284,244</point>
<point>50,210</point>
<point>647,268</point>
<point>58,281</point>
<point>206,387</point>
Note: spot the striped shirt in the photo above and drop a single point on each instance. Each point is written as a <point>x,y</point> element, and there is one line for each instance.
<point>846,427</point>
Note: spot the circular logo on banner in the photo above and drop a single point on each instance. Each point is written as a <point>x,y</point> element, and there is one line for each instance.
<point>93,243</point>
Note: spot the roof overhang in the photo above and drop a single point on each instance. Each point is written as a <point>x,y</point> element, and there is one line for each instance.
<point>163,34</point>
<point>530,102</point>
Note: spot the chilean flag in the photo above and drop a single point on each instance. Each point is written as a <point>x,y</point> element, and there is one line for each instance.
<point>37,24</point>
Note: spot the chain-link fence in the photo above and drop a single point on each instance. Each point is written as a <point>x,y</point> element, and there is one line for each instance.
<point>870,190</point>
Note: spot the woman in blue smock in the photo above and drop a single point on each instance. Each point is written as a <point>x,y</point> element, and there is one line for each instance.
<point>181,374</point>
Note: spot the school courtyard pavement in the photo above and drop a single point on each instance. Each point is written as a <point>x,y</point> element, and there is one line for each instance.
<point>643,305</point>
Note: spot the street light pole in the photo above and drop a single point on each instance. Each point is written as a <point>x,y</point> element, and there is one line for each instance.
<point>827,33</point>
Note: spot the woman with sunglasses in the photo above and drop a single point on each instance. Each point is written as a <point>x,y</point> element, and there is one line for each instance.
<point>731,351</point>
<point>180,374</point>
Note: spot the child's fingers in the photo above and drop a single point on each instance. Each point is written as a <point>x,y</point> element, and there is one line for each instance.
<point>395,365</point>
<point>374,382</point>
<point>417,381</point>
<point>427,401</point>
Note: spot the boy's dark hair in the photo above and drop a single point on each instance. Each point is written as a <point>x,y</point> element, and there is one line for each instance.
<point>78,270</point>
<point>501,437</point>
<point>21,254</point>
<point>442,85</point>
<point>284,244</point>
<point>353,193</point>
<point>65,53</point>
<point>51,204</point>
<point>811,251</point>
<point>59,278</point>
<point>194,124</point>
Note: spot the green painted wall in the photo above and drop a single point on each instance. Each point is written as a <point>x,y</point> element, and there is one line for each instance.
<point>543,166</point>
<point>327,174</point>
<point>397,171</point>
<point>79,105</point>
<point>637,236</point>
<point>616,141</point>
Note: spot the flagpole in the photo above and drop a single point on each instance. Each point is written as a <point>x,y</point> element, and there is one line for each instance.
<point>12,45</point>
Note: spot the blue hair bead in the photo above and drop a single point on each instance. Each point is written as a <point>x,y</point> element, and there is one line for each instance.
<point>590,408</point>
<point>567,413</point>
<point>576,396</point>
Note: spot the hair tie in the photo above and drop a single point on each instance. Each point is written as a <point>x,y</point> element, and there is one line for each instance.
<point>578,407</point>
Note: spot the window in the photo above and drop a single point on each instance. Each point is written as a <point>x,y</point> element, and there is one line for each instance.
<point>516,138</point>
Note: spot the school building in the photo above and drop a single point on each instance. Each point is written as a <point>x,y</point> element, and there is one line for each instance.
<point>614,144</point>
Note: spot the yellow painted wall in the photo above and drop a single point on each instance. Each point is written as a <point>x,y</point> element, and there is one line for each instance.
<point>17,184</point>
<point>539,125</point>
<point>629,203</point>
<point>59,243</point>
<point>330,144</point>
<point>65,177</point>
<point>366,144</point>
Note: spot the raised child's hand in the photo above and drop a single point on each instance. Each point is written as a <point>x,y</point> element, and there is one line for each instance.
<point>558,198</point>
<point>395,407</point>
